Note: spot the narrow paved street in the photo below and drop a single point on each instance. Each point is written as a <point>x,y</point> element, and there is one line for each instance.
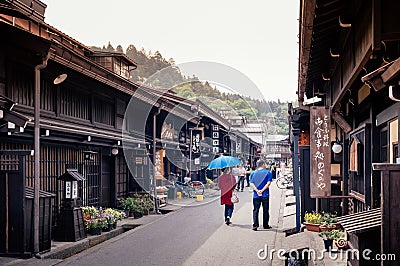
<point>190,236</point>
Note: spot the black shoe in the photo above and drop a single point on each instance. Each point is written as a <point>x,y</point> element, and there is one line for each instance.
<point>267,227</point>
<point>241,190</point>
<point>228,221</point>
<point>254,228</point>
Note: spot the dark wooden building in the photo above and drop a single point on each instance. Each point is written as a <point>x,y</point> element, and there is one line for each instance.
<point>92,118</point>
<point>349,54</point>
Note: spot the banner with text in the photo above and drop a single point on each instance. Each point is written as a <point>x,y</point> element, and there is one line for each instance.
<point>159,164</point>
<point>320,149</point>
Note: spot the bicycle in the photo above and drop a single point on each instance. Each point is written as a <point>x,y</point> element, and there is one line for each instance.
<point>189,188</point>
<point>283,181</point>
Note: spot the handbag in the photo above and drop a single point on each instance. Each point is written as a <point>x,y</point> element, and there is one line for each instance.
<point>234,198</point>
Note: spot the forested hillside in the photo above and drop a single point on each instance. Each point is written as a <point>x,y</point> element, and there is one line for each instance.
<point>273,113</point>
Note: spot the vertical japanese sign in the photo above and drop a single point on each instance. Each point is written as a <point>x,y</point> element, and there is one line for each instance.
<point>159,165</point>
<point>238,146</point>
<point>215,137</point>
<point>196,138</point>
<point>320,148</point>
<point>74,189</point>
<point>68,189</point>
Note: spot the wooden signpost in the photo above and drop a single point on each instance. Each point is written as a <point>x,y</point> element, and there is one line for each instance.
<point>320,149</point>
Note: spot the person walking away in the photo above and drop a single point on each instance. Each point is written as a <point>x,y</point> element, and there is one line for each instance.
<point>227,183</point>
<point>273,170</point>
<point>235,172</point>
<point>241,175</point>
<point>260,180</point>
<point>248,172</point>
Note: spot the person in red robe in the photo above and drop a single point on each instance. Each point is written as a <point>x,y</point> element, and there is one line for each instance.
<point>227,184</point>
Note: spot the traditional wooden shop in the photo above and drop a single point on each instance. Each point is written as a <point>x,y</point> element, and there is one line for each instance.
<point>348,66</point>
<point>68,103</point>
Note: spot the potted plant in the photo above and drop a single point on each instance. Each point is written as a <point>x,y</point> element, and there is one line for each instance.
<point>312,221</point>
<point>112,216</point>
<point>330,236</point>
<point>329,222</point>
<point>96,225</point>
<point>137,210</point>
<point>93,220</point>
<point>148,204</point>
<point>125,205</point>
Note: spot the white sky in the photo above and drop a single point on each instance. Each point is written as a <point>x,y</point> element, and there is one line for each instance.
<point>258,38</point>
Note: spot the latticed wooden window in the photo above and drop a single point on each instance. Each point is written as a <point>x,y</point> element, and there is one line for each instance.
<point>104,112</point>
<point>74,103</point>
<point>21,88</point>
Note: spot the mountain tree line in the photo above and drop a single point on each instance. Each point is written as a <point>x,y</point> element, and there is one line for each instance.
<point>154,69</point>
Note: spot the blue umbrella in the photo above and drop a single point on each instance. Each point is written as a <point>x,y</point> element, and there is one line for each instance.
<point>223,162</point>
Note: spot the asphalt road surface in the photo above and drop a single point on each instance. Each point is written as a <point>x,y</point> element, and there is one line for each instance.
<point>189,236</point>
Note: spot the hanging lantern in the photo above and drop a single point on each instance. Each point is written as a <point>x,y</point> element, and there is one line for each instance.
<point>337,147</point>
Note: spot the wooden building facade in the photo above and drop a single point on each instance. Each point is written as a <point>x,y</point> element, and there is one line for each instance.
<point>84,97</point>
<point>348,58</point>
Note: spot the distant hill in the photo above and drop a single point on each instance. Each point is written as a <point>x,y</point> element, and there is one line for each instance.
<point>274,113</point>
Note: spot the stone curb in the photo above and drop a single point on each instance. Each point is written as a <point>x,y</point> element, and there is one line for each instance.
<point>81,245</point>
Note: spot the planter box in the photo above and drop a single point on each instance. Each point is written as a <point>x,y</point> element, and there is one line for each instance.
<point>334,226</point>
<point>95,231</point>
<point>137,215</point>
<point>312,227</point>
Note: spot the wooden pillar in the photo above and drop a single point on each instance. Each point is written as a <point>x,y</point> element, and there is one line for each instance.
<point>390,206</point>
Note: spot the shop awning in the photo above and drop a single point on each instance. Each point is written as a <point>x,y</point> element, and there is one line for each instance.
<point>361,221</point>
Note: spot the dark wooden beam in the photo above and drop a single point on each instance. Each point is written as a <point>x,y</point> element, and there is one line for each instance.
<point>391,71</point>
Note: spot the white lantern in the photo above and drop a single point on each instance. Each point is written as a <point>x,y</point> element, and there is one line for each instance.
<point>337,147</point>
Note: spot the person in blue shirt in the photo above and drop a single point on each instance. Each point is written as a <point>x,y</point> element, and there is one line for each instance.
<point>260,180</point>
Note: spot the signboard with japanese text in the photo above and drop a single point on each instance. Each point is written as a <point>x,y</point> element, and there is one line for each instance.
<point>320,149</point>
<point>74,189</point>
<point>215,136</point>
<point>239,147</point>
<point>159,164</point>
<point>68,189</point>
<point>196,138</point>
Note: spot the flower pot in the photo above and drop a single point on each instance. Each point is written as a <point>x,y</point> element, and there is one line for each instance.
<point>114,225</point>
<point>137,215</point>
<point>335,226</point>
<point>126,213</point>
<point>107,228</point>
<point>95,231</point>
<point>312,227</point>
<point>328,244</point>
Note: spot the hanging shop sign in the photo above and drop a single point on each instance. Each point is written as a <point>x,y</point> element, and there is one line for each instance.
<point>159,164</point>
<point>215,138</point>
<point>320,162</point>
<point>196,138</point>
<point>238,146</point>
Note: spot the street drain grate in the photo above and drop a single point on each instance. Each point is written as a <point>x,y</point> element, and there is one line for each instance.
<point>128,227</point>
